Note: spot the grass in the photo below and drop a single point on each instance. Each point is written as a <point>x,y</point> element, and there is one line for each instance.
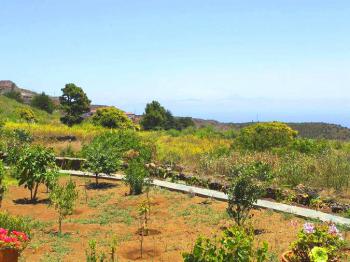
<point>9,111</point>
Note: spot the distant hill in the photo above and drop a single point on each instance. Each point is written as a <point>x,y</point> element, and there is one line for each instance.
<point>9,111</point>
<point>306,130</point>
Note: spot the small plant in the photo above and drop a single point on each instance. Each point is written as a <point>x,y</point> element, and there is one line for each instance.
<point>144,212</point>
<point>317,243</point>
<point>236,245</point>
<point>16,223</point>
<point>92,255</point>
<point>13,239</point>
<point>247,185</point>
<point>63,200</point>
<point>137,177</point>
<point>27,115</point>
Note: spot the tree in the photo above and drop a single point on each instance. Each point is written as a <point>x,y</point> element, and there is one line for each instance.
<point>74,103</point>
<point>35,165</point>
<point>247,186</point>
<point>63,198</point>
<point>264,136</point>
<point>43,102</point>
<point>155,116</point>
<point>137,177</point>
<point>16,95</point>
<point>112,117</point>
<point>27,115</point>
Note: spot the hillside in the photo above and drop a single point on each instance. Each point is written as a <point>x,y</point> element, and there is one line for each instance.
<point>306,130</point>
<point>9,110</point>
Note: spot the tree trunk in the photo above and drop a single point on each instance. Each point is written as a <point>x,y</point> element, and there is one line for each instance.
<point>59,225</point>
<point>35,191</point>
<point>96,178</point>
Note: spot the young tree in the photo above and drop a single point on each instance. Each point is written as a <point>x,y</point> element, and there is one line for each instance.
<point>112,117</point>
<point>34,166</point>
<point>43,102</point>
<point>137,177</point>
<point>63,198</point>
<point>247,186</point>
<point>74,103</point>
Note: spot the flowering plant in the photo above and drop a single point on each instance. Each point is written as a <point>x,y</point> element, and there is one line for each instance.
<point>316,242</point>
<point>13,239</point>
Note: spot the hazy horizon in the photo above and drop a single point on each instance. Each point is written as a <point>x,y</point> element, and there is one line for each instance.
<point>225,60</point>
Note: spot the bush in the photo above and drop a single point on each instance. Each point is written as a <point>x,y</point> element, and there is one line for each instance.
<point>9,222</point>
<point>16,95</point>
<point>63,198</point>
<point>112,117</point>
<point>137,177</point>
<point>27,115</point>
<point>43,102</point>
<point>247,186</point>
<point>35,166</point>
<point>265,136</point>
<point>236,245</point>
<point>325,237</point>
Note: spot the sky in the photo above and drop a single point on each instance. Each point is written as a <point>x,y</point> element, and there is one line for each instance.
<point>233,61</point>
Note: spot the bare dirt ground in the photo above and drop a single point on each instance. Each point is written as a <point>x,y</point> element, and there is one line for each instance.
<point>103,214</point>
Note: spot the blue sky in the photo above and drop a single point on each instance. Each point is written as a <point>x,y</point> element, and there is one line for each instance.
<point>233,61</point>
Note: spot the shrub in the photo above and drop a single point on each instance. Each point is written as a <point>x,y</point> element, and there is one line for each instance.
<point>247,185</point>
<point>136,176</point>
<point>18,223</point>
<point>14,240</point>
<point>112,117</point>
<point>63,198</point>
<point>16,95</point>
<point>35,166</point>
<point>236,245</point>
<point>265,136</point>
<point>325,238</point>
<point>27,115</point>
<point>43,102</point>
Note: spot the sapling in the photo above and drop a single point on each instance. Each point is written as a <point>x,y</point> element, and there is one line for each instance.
<point>63,198</point>
<point>144,215</point>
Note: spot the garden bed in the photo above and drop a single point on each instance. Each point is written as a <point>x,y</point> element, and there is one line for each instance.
<point>176,220</point>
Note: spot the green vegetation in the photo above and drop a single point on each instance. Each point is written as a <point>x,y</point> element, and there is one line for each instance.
<point>111,117</point>
<point>63,198</point>
<point>74,103</point>
<point>35,166</point>
<point>137,177</point>
<point>2,184</point>
<point>15,95</point>
<point>43,102</point>
<point>156,117</point>
<point>9,111</point>
<point>236,245</point>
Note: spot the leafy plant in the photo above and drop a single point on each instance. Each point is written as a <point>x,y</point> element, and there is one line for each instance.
<point>74,103</point>
<point>265,136</point>
<point>136,176</point>
<point>247,185</point>
<point>17,223</point>
<point>63,198</point>
<point>326,238</point>
<point>112,117</point>
<point>35,166</point>
<point>236,245</point>
<point>43,102</point>
<point>27,115</point>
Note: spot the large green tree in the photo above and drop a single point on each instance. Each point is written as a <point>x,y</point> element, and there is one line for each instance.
<point>156,117</point>
<point>43,102</point>
<point>74,103</point>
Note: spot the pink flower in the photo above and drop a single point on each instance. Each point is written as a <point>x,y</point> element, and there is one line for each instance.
<point>309,228</point>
